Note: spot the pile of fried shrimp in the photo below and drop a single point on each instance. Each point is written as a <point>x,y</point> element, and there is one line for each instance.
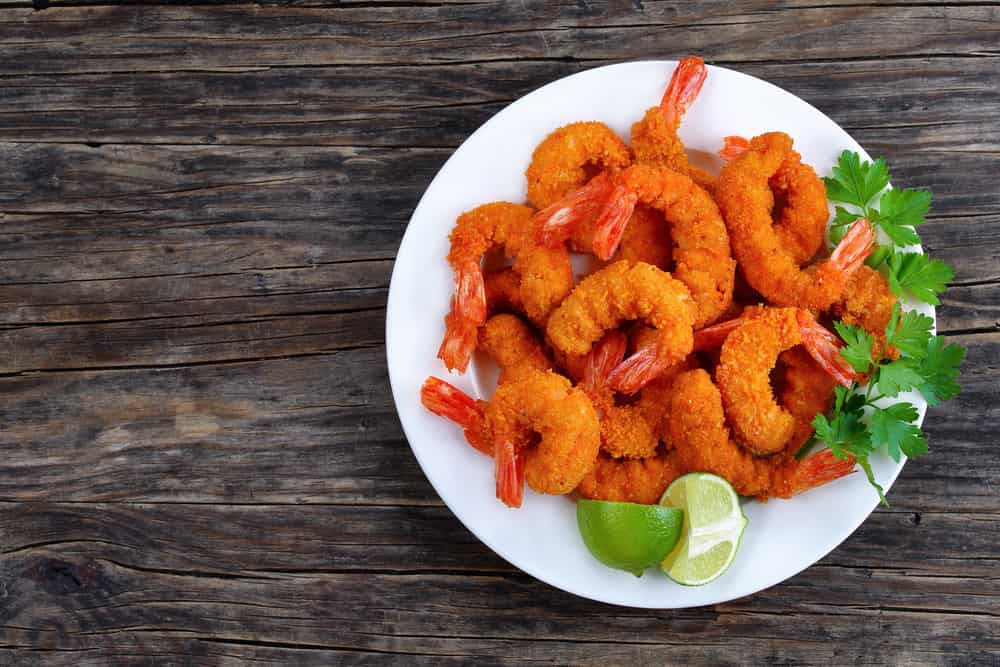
<point>700,345</point>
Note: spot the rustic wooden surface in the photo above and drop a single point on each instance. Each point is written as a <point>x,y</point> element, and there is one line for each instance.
<point>200,206</point>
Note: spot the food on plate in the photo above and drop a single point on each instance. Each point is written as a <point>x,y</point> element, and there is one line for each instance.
<point>745,199</point>
<point>726,328</point>
<point>698,434</point>
<point>618,293</point>
<point>540,429</point>
<point>654,139</point>
<point>800,207</point>
<point>713,526</point>
<point>545,275</point>
<point>749,354</point>
<point>628,536</point>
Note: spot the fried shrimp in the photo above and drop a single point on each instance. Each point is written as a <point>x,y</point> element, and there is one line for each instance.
<point>800,206</point>
<point>545,274</point>
<point>745,199</point>
<point>503,291</point>
<point>654,138</point>
<point>748,355</point>
<point>807,392</point>
<point>630,480</point>
<point>540,405</point>
<point>868,302</point>
<point>626,432</point>
<point>701,442</point>
<point>702,259</point>
<point>571,156</point>
<point>513,346</point>
<point>639,477</point>
<point>646,239</point>
<point>565,421</point>
<point>619,292</point>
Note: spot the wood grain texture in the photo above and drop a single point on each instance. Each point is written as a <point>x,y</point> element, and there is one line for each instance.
<point>199,209</point>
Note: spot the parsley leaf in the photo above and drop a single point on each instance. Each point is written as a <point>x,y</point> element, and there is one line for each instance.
<point>893,426</point>
<point>923,277</point>
<point>897,376</point>
<point>904,207</point>
<point>911,334</point>
<point>856,182</point>
<point>845,433</point>
<point>858,349</point>
<point>939,370</point>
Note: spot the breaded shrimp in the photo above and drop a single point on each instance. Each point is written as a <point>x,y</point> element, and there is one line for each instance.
<point>546,275</point>
<point>513,346</point>
<point>654,139</point>
<point>807,392</point>
<point>800,206</point>
<point>821,344</point>
<point>630,480</point>
<point>625,430</point>
<point>701,443</point>
<point>623,291</point>
<point>748,355</point>
<point>564,418</point>
<point>539,403</point>
<point>646,239</point>
<point>745,199</point>
<point>702,258</point>
<point>569,157</point>
<point>868,302</point>
<point>503,291</point>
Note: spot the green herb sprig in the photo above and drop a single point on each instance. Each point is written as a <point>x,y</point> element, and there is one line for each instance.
<point>861,186</point>
<point>858,424</point>
<point>861,422</point>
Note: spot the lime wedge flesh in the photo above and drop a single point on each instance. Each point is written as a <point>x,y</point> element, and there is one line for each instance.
<point>713,525</point>
<point>628,536</point>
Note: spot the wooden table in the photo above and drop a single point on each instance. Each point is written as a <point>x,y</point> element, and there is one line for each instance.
<point>200,207</point>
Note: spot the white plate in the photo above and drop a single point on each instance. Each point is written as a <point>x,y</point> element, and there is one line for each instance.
<point>541,538</point>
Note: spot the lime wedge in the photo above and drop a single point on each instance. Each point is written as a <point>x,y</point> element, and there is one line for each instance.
<point>628,536</point>
<point>713,526</point>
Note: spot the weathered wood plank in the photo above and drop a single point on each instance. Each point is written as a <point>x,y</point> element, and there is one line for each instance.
<point>258,541</point>
<point>240,36</point>
<point>317,428</point>
<point>439,105</point>
<point>79,604</point>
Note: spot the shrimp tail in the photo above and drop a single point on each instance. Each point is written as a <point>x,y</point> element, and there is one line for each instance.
<point>557,221</point>
<point>732,146</point>
<point>470,291</point>
<point>819,469</point>
<point>611,222</point>
<point>685,84</point>
<point>824,347</point>
<point>606,354</point>
<point>714,336</point>
<point>854,248</point>
<point>637,371</point>
<point>448,401</point>
<point>509,472</point>
<point>460,335</point>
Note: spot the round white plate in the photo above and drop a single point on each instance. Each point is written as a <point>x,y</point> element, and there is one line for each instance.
<point>541,538</point>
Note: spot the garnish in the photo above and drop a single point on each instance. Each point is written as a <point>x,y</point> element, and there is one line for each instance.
<point>897,213</point>
<point>861,422</point>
